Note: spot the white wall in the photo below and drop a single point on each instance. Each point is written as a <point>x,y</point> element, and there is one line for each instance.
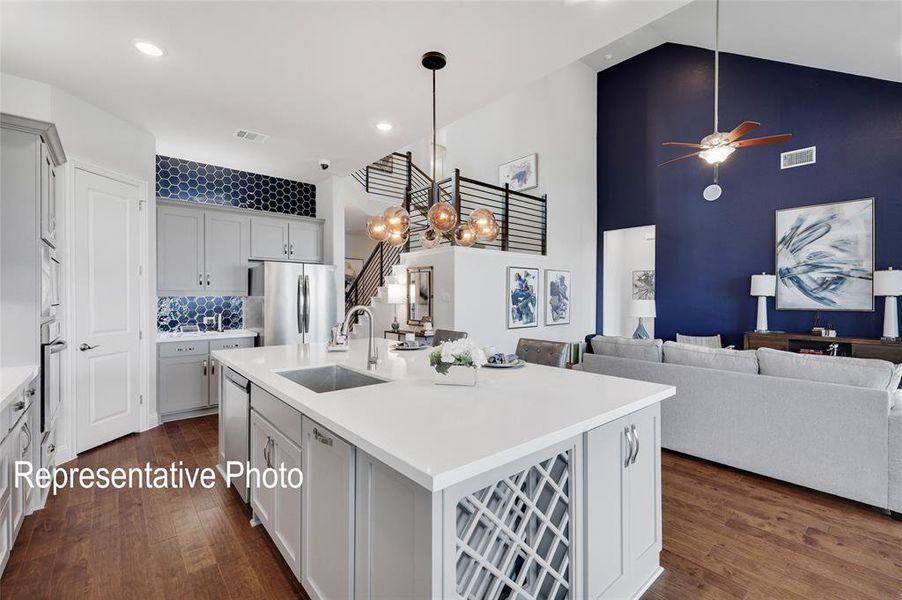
<point>625,251</point>
<point>358,245</point>
<point>554,117</point>
<point>90,135</point>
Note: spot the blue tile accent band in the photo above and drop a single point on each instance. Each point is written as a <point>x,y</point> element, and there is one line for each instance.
<point>191,181</point>
<point>173,311</point>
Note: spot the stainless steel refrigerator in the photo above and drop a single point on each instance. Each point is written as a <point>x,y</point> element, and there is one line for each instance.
<point>291,303</point>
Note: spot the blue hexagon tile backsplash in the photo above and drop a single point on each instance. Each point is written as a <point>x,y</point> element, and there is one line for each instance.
<point>191,181</point>
<point>173,311</point>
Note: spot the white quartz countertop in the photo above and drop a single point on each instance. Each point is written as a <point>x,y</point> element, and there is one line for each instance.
<point>439,435</point>
<point>13,380</point>
<point>176,336</point>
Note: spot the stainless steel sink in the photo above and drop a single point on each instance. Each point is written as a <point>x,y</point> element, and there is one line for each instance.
<point>330,379</point>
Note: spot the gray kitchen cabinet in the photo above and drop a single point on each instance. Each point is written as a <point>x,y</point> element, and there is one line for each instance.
<point>48,196</point>
<point>201,251</point>
<point>305,241</point>
<point>292,239</point>
<point>184,383</point>
<point>327,541</point>
<point>180,251</point>
<point>189,377</point>
<point>226,251</point>
<point>22,449</point>
<point>279,509</point>
<point>392,558</point>
<point>623,466</point>
<point>269,239</point>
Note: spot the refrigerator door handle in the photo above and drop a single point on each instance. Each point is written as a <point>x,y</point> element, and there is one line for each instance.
<point>302,308</point>
<point>306,303</point>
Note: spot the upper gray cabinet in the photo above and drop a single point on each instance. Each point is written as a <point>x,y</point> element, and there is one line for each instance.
<point>201,251</point>
<point>180,251</point>
<point>296,240</point>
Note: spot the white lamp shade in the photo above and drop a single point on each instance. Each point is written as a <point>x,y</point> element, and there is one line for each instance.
<point>888,283</point>
<point>764,285</point>
<point>643,308</point>
<point>395,293</point>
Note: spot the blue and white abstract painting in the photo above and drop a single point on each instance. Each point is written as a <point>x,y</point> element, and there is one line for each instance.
<point>522,295</point>
<point>557,297</point>
<point>520,174</point>
<point>825,256</point>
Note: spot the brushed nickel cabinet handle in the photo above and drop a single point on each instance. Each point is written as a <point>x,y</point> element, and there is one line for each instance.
<point>322,439</point>
<point>200,279</point>
<point>205,368</point>
<point>629,446</point>
<point>285,249</point>
<point>635,437</point>
<point>208,280</point>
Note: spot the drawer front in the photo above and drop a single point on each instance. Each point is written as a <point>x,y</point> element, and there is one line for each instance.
<point>283,417</point>
<point>229,344</point>
<point>169,349</point>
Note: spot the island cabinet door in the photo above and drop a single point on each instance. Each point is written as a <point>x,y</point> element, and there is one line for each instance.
<point>327,541</point>
<point>607,450</point>
<point>286,510</point>
<point>623,505</point>
<point>262,498</point>
<point>393,534</point>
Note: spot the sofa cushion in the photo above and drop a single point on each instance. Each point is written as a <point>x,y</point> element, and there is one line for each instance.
<point>740,361</point>
<point>621,347</point>
<point>858,372</point>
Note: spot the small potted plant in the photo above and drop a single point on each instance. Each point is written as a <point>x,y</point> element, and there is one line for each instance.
<point>457,362</point>
<point>426,323</point>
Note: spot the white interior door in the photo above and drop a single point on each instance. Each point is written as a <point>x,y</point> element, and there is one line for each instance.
<point>106,309</point>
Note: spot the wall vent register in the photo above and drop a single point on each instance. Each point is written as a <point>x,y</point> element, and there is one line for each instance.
<point>798,158</point>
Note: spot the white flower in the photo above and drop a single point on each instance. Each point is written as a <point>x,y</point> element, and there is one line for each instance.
<point>463,351</point>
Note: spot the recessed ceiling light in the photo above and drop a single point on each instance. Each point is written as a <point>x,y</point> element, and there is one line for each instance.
<point>383,126</point>
<point>608,56</point>
<point>148,48</point>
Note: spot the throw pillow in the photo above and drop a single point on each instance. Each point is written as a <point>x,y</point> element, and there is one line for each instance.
<point>739,361</point>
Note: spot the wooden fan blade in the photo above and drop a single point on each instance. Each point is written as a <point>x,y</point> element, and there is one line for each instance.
<point>683,145</point>
<point>680,158</point>
<point>741,129</point>
<point>771,139</point>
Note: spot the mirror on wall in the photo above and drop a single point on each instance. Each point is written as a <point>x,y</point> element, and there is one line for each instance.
<point>419,294</point>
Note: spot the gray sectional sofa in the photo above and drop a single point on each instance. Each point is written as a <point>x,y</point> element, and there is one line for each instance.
<point>826,423</point>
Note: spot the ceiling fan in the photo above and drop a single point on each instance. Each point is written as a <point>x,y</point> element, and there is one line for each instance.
<point>716,147</point>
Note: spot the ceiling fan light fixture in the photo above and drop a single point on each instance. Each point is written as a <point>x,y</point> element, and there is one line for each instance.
<point>716,155</point>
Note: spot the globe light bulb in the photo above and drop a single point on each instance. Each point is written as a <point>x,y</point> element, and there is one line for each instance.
<point>397,238</point>
<point>376,229</point>
<point>442,217</point>
<point>488,234</point>
<point>482,221</point>
<point>397,219</point>
<point>430,238</point>
<point>464,236</point>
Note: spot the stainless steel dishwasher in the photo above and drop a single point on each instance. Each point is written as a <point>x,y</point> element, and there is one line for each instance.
<point>236,420</point>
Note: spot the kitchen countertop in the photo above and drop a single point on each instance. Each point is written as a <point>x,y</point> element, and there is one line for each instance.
<point>13,380</point>
<point>440,435</point>
<point>176,336</point>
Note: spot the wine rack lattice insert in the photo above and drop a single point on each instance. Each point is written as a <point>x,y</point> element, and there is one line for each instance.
<point>513,537</point>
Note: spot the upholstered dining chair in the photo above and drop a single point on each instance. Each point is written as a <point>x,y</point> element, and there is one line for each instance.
<point>543,352</point>
<point>447,335</point>
<point>708,341</point>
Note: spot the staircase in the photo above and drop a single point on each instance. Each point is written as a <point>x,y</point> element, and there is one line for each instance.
<point>523,217</point>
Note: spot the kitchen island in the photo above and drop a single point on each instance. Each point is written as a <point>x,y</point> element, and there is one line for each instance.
<point>536,483</point>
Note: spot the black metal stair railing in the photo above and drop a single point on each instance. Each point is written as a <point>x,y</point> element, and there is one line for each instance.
<point>372,276</point>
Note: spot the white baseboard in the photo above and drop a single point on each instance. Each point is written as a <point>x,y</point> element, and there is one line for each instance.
<point>648,584</point>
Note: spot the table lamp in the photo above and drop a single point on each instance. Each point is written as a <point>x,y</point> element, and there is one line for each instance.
<point>642,309</point>
<point>889,283</point>
<point>763,286</point>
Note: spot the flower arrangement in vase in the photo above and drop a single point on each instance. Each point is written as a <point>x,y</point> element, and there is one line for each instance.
<point>457,362</point>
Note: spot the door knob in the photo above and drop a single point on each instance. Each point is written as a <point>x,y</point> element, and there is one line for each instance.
<point>85,347</point>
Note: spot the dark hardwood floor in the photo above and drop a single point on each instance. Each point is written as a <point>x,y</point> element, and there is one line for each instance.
<point>727,534</point>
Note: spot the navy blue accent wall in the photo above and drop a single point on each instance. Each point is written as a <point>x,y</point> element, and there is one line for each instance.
<point>191,181</point>
<point>707,251</point>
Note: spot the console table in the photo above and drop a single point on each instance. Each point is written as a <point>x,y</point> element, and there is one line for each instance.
<point>814,344</point>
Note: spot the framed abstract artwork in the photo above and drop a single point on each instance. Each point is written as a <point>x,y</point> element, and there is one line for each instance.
<point>557,297</point>
<point>522,297</point>
<point>825,256</point>
<point>643,285</point>
<point>520,174</point>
